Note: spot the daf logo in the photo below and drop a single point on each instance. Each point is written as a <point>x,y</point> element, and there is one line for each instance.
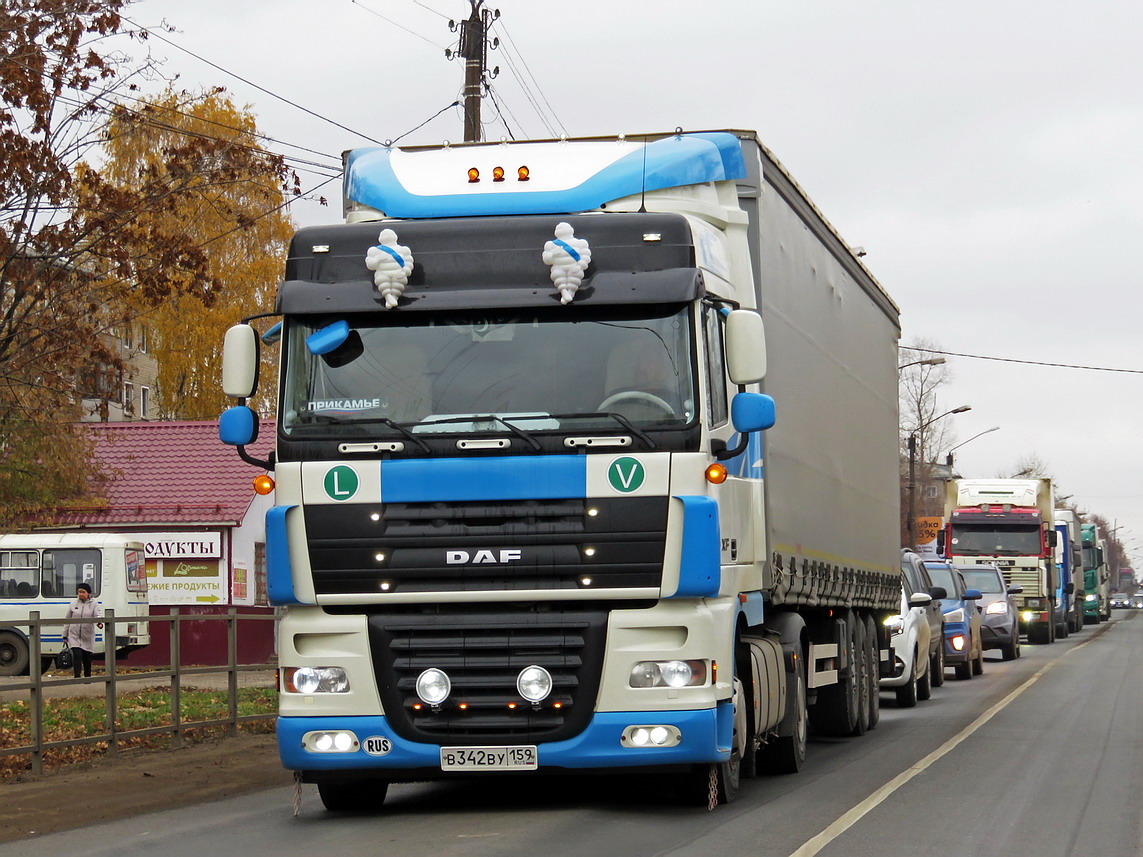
<point>481,556</point>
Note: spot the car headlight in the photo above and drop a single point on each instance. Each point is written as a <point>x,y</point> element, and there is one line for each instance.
<point>997,608</point>
<point>310,680</point>
<point>668,674</point>
<point>956,615</point>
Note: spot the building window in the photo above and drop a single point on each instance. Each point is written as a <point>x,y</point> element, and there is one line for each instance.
<point>261,595</point>
<point>145,402</point>
<point>128,398</point>
<point>142,343</point>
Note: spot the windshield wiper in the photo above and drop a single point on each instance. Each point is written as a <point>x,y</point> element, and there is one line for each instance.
<point>619,418</point>
<point>475,418</point>
<point>327,420</point>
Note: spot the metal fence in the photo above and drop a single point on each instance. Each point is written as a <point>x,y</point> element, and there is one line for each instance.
<point>115,682</point>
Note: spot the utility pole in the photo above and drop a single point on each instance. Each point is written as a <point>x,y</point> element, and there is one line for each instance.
<point>473,49</point>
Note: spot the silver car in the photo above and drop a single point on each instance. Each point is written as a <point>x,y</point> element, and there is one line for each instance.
<point>1000,621</point>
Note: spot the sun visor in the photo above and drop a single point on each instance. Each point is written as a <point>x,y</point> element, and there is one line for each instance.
<point>674,285</point>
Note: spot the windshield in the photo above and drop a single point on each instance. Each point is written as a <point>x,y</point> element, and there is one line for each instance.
<point>530,370</point>
<point>984,580</point>
<point>1090,558</point>
<point>995,540</point>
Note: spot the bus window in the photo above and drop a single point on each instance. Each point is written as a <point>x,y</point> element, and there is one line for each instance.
<point>136,569</point>
<point>65,569</point>
<point>19,574</point>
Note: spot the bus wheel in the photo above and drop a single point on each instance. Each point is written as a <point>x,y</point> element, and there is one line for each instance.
<point>13,654</point>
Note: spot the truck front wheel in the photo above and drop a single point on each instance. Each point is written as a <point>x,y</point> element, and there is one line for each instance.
<point>787,753</point>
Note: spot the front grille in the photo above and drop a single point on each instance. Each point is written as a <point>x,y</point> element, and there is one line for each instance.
<point>483,654</point>
<point>480,546</point>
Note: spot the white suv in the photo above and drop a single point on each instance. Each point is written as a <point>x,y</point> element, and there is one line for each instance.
<point>910,635</point>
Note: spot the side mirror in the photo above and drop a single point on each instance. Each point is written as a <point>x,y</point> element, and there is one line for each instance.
<point>973,595</point>
<point>938,592</point>
<point>1051,537</point>
<point>1070,589</point>
<point>238,426</point>
<point>745,346</point>
<point>920,599</point>
<point>240,362</point>
<point>1015,589</point>
<point>752,412</point>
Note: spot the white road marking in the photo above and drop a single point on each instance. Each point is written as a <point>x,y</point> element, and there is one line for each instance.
<point>854,815</point>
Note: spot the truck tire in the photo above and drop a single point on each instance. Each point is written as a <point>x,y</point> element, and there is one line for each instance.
<point>937,662</point>
<point>873,674</point>
<point>925,683</point>
<point>836,709</point>
<point>786,754</point>
<point>13,653</point>
<point>353,795</point>
<point>907,693</point>
<point>861,653</point>
<point>1039,634</point>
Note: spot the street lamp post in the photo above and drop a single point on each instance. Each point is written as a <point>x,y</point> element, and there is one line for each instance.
<point>928,361</point>
<point>912,487</point>
<point>949,458</point>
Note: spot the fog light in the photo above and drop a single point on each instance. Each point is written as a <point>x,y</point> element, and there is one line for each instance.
<point>957,643</point>
<point>534,684</point>
<point>335,741</point>
<point>433,686</point>
<point>1028,615</point>
<point>651,736</point>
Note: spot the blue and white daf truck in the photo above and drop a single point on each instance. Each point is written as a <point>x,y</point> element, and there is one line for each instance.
<point>586,460</point>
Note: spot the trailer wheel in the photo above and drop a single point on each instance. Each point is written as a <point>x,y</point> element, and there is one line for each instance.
<point>873,674</point>
<point>13,654</point>
<point>836,710</point>
<point>787,753</point>
<point>354,795</point>
<point>860,649</point>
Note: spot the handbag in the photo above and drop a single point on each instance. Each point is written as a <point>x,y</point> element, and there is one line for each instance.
<point>64,659</point>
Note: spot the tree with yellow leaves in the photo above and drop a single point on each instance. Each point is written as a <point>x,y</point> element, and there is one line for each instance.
<point>237,217</point>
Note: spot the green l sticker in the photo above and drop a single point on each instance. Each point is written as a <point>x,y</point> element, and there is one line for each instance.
<point>341,482</point>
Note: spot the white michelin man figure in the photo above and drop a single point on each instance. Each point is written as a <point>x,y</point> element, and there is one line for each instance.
<point>569,257</point>
<point>392,264</point>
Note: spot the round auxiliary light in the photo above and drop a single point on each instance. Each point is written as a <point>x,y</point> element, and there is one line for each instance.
<point>534,683</point>
<point>324,742</point>
<point>498,174</point>
<point>473,175</point>
<point>660,735</point>
<point>263,484</point>
<point>343,741</point>
<point>523,174</point>
<point>433,686</point>
<point>716,474</point>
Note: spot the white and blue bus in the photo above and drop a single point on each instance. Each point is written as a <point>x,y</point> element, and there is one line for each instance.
<point>39,572</point>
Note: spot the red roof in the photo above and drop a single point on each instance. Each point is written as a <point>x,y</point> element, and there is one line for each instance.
<point>168,473</point>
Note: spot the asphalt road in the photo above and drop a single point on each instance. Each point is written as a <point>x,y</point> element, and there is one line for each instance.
<point>1038,756</point>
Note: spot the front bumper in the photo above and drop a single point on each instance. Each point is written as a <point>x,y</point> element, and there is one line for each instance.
<point>952,656</point>
<point>999,635</point>
<point>706,738</point>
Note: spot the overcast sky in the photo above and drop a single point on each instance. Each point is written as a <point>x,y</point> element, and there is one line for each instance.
<point>986,154</point>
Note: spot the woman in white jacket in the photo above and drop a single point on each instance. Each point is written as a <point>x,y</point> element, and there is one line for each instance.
<point>80,638</point>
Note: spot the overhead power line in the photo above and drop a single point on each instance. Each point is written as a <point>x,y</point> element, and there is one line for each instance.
<point>272,94</point>
<point>1026,362</point>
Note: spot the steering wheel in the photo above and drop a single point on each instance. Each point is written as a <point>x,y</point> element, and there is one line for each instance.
<point>635,396</point>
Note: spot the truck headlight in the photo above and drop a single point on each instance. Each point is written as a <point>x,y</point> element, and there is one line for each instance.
<point>1091,597</point>
<point>534,683</point>
<point>309,680</point>
<point>895,624</point>
<point>668,674</point>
